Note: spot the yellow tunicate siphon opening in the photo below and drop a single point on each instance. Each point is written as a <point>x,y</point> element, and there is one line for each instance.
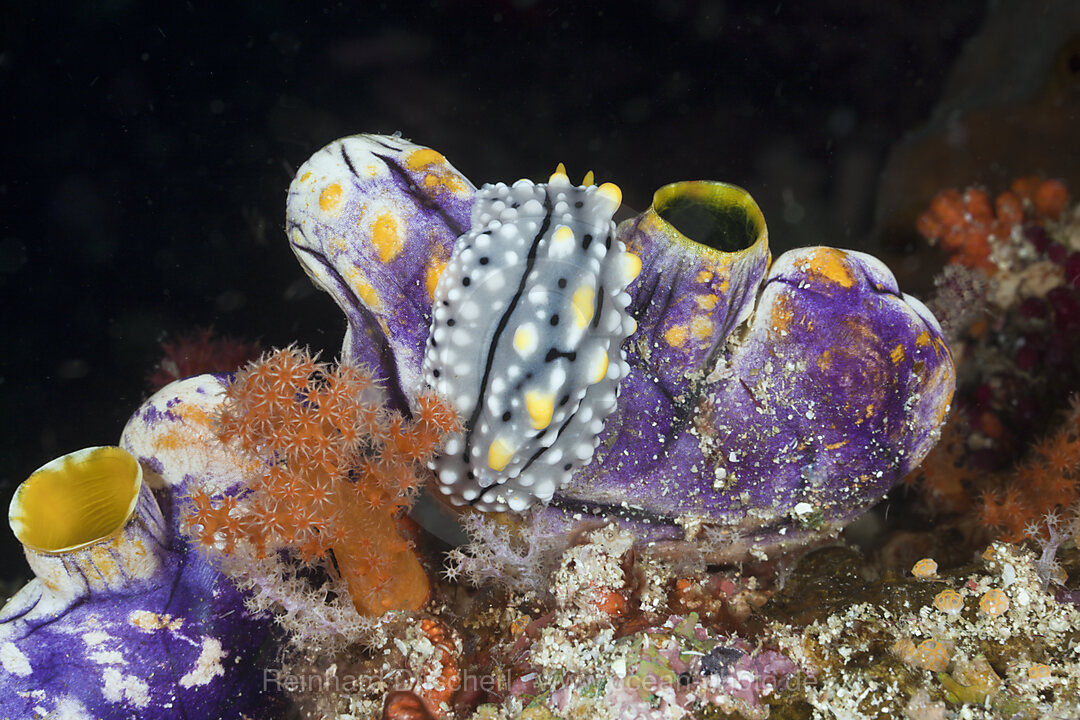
<point>721,216</point>
<point>76,500</point>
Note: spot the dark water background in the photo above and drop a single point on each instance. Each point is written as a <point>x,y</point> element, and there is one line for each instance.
<point>147,148</point>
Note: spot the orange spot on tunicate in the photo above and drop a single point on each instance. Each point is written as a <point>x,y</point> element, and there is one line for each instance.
<point>707,302</point>
<point>385,237</point>
<point>367,292</point>
<point>703,276</point>
<point>923,339</point>
<point>676,335</point>
<point>825,360</point>
<point>422,157</point>
<point>330,197</point>
<point>782,314</point>
<point>432,274</point>
<point>828,264</point>
<point>897,354</point>
<point>700,327</point>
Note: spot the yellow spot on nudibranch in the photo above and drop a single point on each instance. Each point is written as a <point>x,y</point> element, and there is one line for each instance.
<point>541,406</point>
<point>629,268</point>
<point>306,176</point>
<point>562,241</point>
<point>676,335</point>
<point>499,454</point>
<point>612,192</point>
<point>330,197</point>
<point>385,237</point>
<point>600,369</point>
<point>525,339</point>
<point>897,354</point>
<point>828,264</point>
<point>583,303</point>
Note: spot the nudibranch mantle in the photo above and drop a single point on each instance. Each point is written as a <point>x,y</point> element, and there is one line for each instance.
<point>528,319</point>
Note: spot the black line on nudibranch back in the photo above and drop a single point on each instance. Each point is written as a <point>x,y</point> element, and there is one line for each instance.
<point>504,320</point>
<point>536,455</point>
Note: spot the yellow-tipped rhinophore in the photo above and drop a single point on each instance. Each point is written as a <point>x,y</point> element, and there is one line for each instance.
<point>612,192</point>
<point>559,177</point>
<point>75,500</point>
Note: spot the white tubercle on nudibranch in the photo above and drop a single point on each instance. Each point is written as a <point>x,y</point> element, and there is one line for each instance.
<point>528,319</point>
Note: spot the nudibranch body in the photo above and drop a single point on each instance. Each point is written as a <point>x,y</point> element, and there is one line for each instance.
<point>528,319</point>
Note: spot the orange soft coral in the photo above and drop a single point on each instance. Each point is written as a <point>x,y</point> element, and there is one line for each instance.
<point>332,470</point>
<point>967,225</point>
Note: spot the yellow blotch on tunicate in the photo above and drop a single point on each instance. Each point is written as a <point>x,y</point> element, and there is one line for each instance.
<point>422,157</point>
<point>385,237</point>
<point>499,454</point>
<point>828,264</point>
<point>706,302</point>
<point>676,335</point>
<point>923,339</point>
<point>782,313</point>
<point>700,327</point>
<point>541,406</point>
<point>583,302</point>
<point>432,274</point>
<point>703,276</point>
<point>367,292</point>
<point>330,197</point>
<point>897,354</point>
